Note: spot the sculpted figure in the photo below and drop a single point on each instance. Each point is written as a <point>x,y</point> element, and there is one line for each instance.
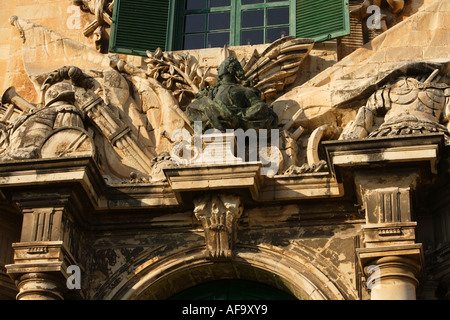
<point>231,103</point>
<point>26,135</point>
<point>409,106</point>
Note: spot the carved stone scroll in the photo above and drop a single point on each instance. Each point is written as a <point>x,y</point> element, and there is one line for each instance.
<point>219,214</point>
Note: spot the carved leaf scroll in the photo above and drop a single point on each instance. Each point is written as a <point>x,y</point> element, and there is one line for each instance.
<point>179,73</point>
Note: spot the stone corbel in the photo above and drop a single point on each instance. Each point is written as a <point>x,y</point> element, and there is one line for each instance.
<point>219,214</point>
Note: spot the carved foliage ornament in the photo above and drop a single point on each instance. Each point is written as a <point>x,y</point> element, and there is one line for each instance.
<point>219,214</point>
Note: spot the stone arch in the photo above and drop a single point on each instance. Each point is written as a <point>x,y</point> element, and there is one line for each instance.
<point>157,277</point>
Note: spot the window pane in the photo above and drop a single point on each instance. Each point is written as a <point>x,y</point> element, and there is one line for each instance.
<point>218,39</point>
<point>275,0</point>
<point>193,41</point>
<point>252,1</point>
<point>218,21</point>
<point>195,4</point>
<point>194,23</point>
<point>219,3</point>
<point>273,34</point>
<point>277,16</point>
<point>252,18</point>
<point>252,37</point>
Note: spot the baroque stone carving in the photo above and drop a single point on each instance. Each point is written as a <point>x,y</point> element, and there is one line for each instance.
<point>277,66</point>
<point>66,104</point>
<point>407,105</point>
<point>102,9</point>
<point>126,114</point>
<point>40,123</point>
<point>321,166</point>
<point>219,214</point>
<point>179,73</point>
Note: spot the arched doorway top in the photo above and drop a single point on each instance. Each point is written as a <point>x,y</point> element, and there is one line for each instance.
<point>162,277</point>
<point>232,289</point>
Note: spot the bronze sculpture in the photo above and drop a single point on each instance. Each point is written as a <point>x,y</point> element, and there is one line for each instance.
<point>231,103</point>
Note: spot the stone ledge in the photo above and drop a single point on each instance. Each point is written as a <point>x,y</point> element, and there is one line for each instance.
<point>39,256</point>
<point>380,235</point>
<point>412,251</point>
<point>387,150</point>
<point>185,180</point>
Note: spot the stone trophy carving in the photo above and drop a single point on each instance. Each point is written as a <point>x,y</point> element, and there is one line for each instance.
<point>179,73</point>
<point>31,134</point>
<point>219,214</point>
<point>407,105</point>
<point>102,9</point>
<point>126,114</point>
<point>69,102</point>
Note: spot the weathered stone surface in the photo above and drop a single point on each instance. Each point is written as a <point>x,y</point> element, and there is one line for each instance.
<point>87,179</point>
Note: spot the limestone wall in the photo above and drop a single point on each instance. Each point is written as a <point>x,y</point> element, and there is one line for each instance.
<point>68,20</point>
<point>59,15</point>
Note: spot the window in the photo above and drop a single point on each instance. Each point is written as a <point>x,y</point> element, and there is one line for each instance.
<point>140,25</point>
<point>208,23</point>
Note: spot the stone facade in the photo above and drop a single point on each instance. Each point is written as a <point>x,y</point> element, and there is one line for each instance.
<point>105,193</point>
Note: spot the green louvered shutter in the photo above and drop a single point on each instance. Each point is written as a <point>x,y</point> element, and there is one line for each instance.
<point>139,25</point>
<point>322,19</point>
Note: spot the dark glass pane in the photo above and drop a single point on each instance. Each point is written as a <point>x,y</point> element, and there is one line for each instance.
<point>277,16</point>
<point>219,21</point>
<point>219,3</point>
<point>275,0</point>
<point>252,1</point>
<point>194,23</point>
<point>252,18</point>
<point>273,34</point>
<point>193,41</point>
<point>195,4</point>
<point>252,37</point>
<point>218,39</point>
